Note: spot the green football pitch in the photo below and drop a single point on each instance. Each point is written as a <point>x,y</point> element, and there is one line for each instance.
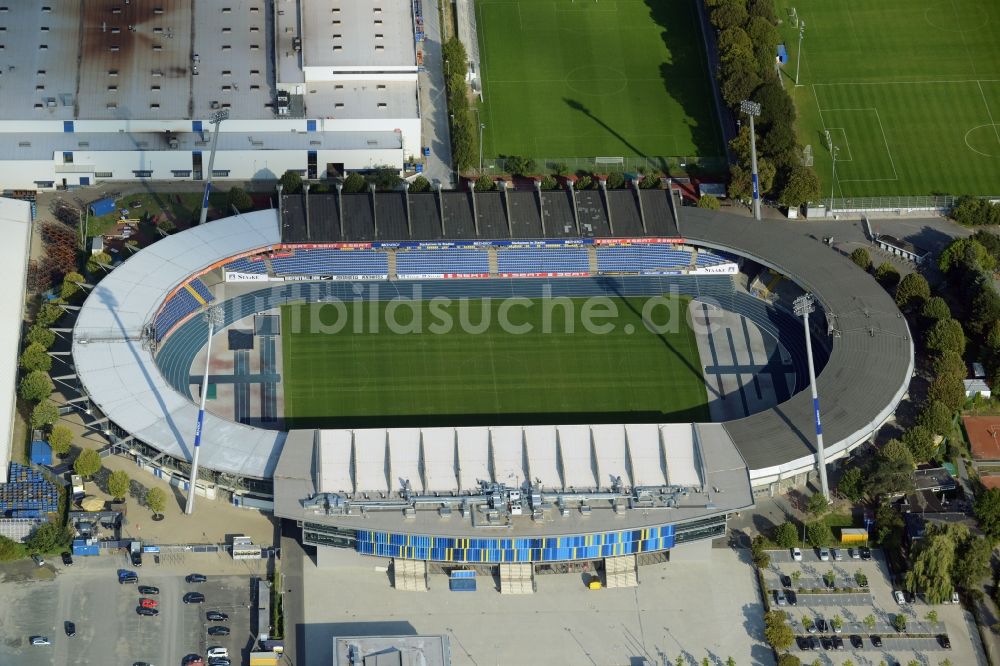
<point>335,376</point>
<point>589,78</point>
<point>909,91</point>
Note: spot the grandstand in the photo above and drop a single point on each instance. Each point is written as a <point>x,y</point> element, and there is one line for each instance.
<point>465,261</point>
<point>543,261</point>
<point>322,261</point>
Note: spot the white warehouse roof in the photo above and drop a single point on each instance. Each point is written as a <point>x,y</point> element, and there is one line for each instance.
<point>15,221</point>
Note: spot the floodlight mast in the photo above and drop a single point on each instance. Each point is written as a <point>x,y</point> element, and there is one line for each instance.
<point>216,120</point>
<point>752,109</point>
<point>798,57</point>
<point>214,318</point>
<point>804,305</point>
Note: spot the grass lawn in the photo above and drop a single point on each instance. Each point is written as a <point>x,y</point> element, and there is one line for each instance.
<point>182,208</point>
<point>586,78</point>
<point>351,379</point>
<point>908,89</point>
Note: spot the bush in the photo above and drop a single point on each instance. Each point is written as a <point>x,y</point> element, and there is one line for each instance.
<point>485,184</point>
<point>616,180</point>
<point>386,179</point>
<point>420,184</point>
<point>519,166</point>
<point>97,262</point>
<point>819,534</point>
<point>71,285</point>
<point>35,387</point>
<point>35,357</point>
<point>291,182</point>
<point>354,183</point>
<point>709,202</point>
<point>549,183</point>
<point>166,226</point>
<point>861,257</point>
<point>972,212</point>
<point>776,630</point>
<point>11,550</point>
<point>48,314</point>
<point>761,558</point>
<point>44,414</point>
<point>40,335</point>
<point>817,504</point>
<point>48,538</point>
<point>651,181</point>
<point>239,199</point>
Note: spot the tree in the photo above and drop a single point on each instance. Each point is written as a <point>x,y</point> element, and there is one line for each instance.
<point>930,571</point>
<point>895,451</point>
<point>819,533</point>
<point>869,621</point>
<point>817,504</point>
<point>739,79</point>
<point>972,211</point>
<point>517,165</point>
<point>946,335</point>
<point>989,240</point>
<point>616,180</point>
<point>931,617</point>
<point>291,182</point>
<point>239,199</point>
<point>913,291</point>
<point>985,309</point>
<point>807,622</point>
<point>935,309</point>
<point>936,417</point>
<point>729,13</point>
<point>35,386</point>
<point>920,440</point>
<point>354,183</point>
<point>60,439</point>
<point>888,524</point>
<point>786,535</point>
<point>987,510</point>
<point>789,660</point>
<point>420,184</point>
<point>730,662</point>
<point>49,537</point>
<point>156,500</point>
<point>118,484</point>
<point>387,178</point>
<point>760,557</point>
<point>801,185</point>
<point>741,179</point>
<point>87,463</point>
<point>35,357</point>
<point>948,390</point>
<point>733,44</point>
<point>852,484</point>
<point>485,184</point>
<point>836,622</point>
<point>708,202</point>
<point>887,275</point>
<point>43,414</point>
<point>776,630</point>
<point>861,257</point>
<point>97,262</point>
<point>890,470</point>
<point>40,335</point>
<point>965,253</point>
<point>899,622</point>
<point>949,364</point>
<point>71,285</point>
<point>11,550</point>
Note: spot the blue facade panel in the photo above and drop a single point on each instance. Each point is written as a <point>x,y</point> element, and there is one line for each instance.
<point>310,125</point>
<point>196,126</point>
<point>68,126</point>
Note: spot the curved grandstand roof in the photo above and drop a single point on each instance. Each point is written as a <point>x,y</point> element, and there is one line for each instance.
<point>866,376</point>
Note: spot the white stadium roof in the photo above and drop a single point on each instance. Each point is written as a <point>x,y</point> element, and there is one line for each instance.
<point>15,220</point>
<point>120,374</point>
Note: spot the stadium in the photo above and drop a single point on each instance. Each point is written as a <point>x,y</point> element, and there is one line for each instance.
<point>491,446</point>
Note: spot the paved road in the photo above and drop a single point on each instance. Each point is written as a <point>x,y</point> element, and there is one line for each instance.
<point>433,102</point>
<point>292,561</point>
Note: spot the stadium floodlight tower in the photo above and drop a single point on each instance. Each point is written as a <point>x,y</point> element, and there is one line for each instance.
<point>804,305</point>
<point>752,109</point>
<point>798,57</point>
<point>214,318</point>
<point>216,120</point>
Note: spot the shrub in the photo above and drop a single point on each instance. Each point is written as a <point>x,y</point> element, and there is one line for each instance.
<point>291,182</point>
<point>485,184</point>
<point>420,184</point>
<point>71,285</point>
<point>40,335</point>
<point>584,183</point>
<point>354,183</point>
<point>49,537</point>
<point>786,535</point>
<point>861,257</point>
<point>48,314</point>
<point>549,183</point>
<point>97,262</point>
<point>44,414</point>
<point>709,202</point>
<point>166,226</point>
<point>239,199</point>
<point>519,166</point>
<point>35,357</point>
<point>386,178</point>
<point>11,550</point>
<point>651,181</point>
<point>616,180</point>
<point>35,387</point>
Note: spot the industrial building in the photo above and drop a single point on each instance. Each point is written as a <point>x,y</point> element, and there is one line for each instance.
<point>125,90</point>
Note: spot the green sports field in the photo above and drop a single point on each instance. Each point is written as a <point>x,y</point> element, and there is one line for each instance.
<point>909,90</point>
<point>362,379</point>
<point>587,78</point>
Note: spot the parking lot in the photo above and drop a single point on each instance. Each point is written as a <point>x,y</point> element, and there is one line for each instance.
<point>854,607</point>
<point>38,600</point>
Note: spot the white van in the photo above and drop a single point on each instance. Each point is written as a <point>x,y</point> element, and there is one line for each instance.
<point>217,652</point>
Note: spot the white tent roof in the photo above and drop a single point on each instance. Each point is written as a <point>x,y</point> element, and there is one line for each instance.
<point>439,459</point>
<point>542,456</point>
<point>508,454</point>
<point>576,454</point>
<point>678,449</point>
<point>333,461</point>
<point>473,457</point>
<point>121,376</point>
<point>644,454</point>
<point>15,221</point>
<point>610,453</point>
<point>404,458</point>
<point>369,460</point>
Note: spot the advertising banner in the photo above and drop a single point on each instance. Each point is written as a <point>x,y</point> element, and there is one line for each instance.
<point>637,241</point>
<point>721,269</point>
<point>245,277</point>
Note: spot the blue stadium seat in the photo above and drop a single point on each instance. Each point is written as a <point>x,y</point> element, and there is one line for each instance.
<point>179,306</point>
<point>527,260</point>
<point>202,290</point>
<point>451,260</point>
<point>641,258</point>
<point>332,262</point>
<point>244,265</point>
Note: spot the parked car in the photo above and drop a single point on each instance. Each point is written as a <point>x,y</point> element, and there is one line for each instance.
<point>856,641</point>
<point>944,641</point>
<point>803,642</point>
<point>216,616</point>
<point>837,555</point>
<point>779,598</point>
<point>136,556</point>
<point>126,576</point>
<point>192,659</point>
<point>821,625</point>
<point>786,581</point>
<point>195,578</point>
<point>854,553</point>
<point>217,651</point>
<point>148,603</point>
<point>899,598</point>
<point>824,554</point>
<point>826,642</point>
<point>793,600</point>
<point>67,559</point>
<point>148,612</point>
<point>70,628</point>
<point>796,554</point>
<point>194,598</point>
<point>219,661</point>
<point>866,553</point>
<point>148,589</point>
<point>876,641</point>
<point>38,559</point>
<point>218,631</point>
<point>838,643</point>
<point>954,597</point>
<point>813,643</point>
<point>909,596</point>
<point>40,640</point>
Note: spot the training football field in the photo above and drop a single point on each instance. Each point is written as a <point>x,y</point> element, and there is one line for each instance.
<point>478,373</point>
<point>909,91</point>
<point>587,78</point>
